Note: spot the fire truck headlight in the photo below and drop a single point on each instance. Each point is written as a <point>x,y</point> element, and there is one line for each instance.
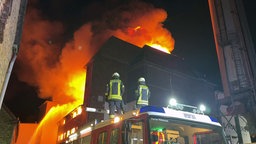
<point>116,119</point>
<point>135,113</point>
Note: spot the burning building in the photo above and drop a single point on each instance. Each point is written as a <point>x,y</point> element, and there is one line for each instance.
<point>56,66</point>
<point>166,75</point>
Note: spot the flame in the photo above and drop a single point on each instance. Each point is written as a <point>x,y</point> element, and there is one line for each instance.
<point>140,36</point>
<point>159,47</point>
<point>48,126</point>
<point>56,113</point>
<point>77,84</point>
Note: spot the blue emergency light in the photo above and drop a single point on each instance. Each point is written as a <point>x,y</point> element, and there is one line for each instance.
<point>152,109</point>
<point>214,119</point>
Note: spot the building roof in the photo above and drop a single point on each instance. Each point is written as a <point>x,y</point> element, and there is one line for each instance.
<point>131,54</point>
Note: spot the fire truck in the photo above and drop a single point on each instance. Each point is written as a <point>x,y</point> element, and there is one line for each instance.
<point>150,125</point>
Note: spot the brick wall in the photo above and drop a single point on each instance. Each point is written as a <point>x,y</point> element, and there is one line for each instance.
<point>9,14</point>
<point>7,124</point>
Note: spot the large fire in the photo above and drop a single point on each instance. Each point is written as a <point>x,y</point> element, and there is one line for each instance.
<point>77,85</point>
<point>48,124</point>
<point>141,36</point>
<point>58,71</point>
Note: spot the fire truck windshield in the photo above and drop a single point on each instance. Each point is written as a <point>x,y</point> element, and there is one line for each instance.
<point>169,131</point>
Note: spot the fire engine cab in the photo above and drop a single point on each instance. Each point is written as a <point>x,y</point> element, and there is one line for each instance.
<point>150,125</point>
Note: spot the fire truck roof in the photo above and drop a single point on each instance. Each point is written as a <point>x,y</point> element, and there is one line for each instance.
<point>178,114</point>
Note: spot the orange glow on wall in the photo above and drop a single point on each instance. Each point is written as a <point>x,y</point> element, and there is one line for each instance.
<point>25,131</point>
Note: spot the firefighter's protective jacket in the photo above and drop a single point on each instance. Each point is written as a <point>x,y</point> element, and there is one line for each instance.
<point>142,94</point>
<point>114,89</point>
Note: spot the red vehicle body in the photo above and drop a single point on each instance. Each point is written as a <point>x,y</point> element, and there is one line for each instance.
<point>149,125</point>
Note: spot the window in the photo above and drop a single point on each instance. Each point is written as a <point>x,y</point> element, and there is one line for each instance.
<point>136,133</point>
<point>114,136</point>
<point>207,137</point>
<point>165,130</point>
<point>86,140</point>
<point>102,139</point>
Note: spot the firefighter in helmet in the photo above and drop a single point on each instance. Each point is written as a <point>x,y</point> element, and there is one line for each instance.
<point>114,93</point>
<point>142,93</point>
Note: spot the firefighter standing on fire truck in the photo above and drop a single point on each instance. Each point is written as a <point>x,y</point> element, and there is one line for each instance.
<point>142,93</point>
<point>114,93</point>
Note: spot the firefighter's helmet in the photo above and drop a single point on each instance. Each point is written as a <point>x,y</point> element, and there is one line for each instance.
<point>141,79</point>
<point>115,75</point>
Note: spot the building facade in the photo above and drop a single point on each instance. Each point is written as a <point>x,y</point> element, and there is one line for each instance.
<point>166,75</point>
<point>8,125</point>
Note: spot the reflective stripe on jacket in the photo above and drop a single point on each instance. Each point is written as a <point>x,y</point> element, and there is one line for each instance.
<point>143,92</point>
<point>115,87</point>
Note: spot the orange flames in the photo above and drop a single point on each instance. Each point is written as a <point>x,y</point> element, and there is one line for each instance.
<point>159,47</point>
<point>160,43</point>
<point>147,29</point>
<point>47,129</point>
<point>77,84</point>
<point>58,72</point>
<point>140,37</point>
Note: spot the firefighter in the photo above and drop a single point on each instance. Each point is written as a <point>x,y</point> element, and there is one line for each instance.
<point>114,93</point>
<point>157,137</point>
<point>142,93</point>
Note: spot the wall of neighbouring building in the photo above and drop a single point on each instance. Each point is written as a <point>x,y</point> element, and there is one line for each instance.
<point>11,19</point>
<point>8,123</point>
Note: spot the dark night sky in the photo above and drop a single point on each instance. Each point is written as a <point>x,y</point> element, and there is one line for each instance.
<point>188,21</point>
